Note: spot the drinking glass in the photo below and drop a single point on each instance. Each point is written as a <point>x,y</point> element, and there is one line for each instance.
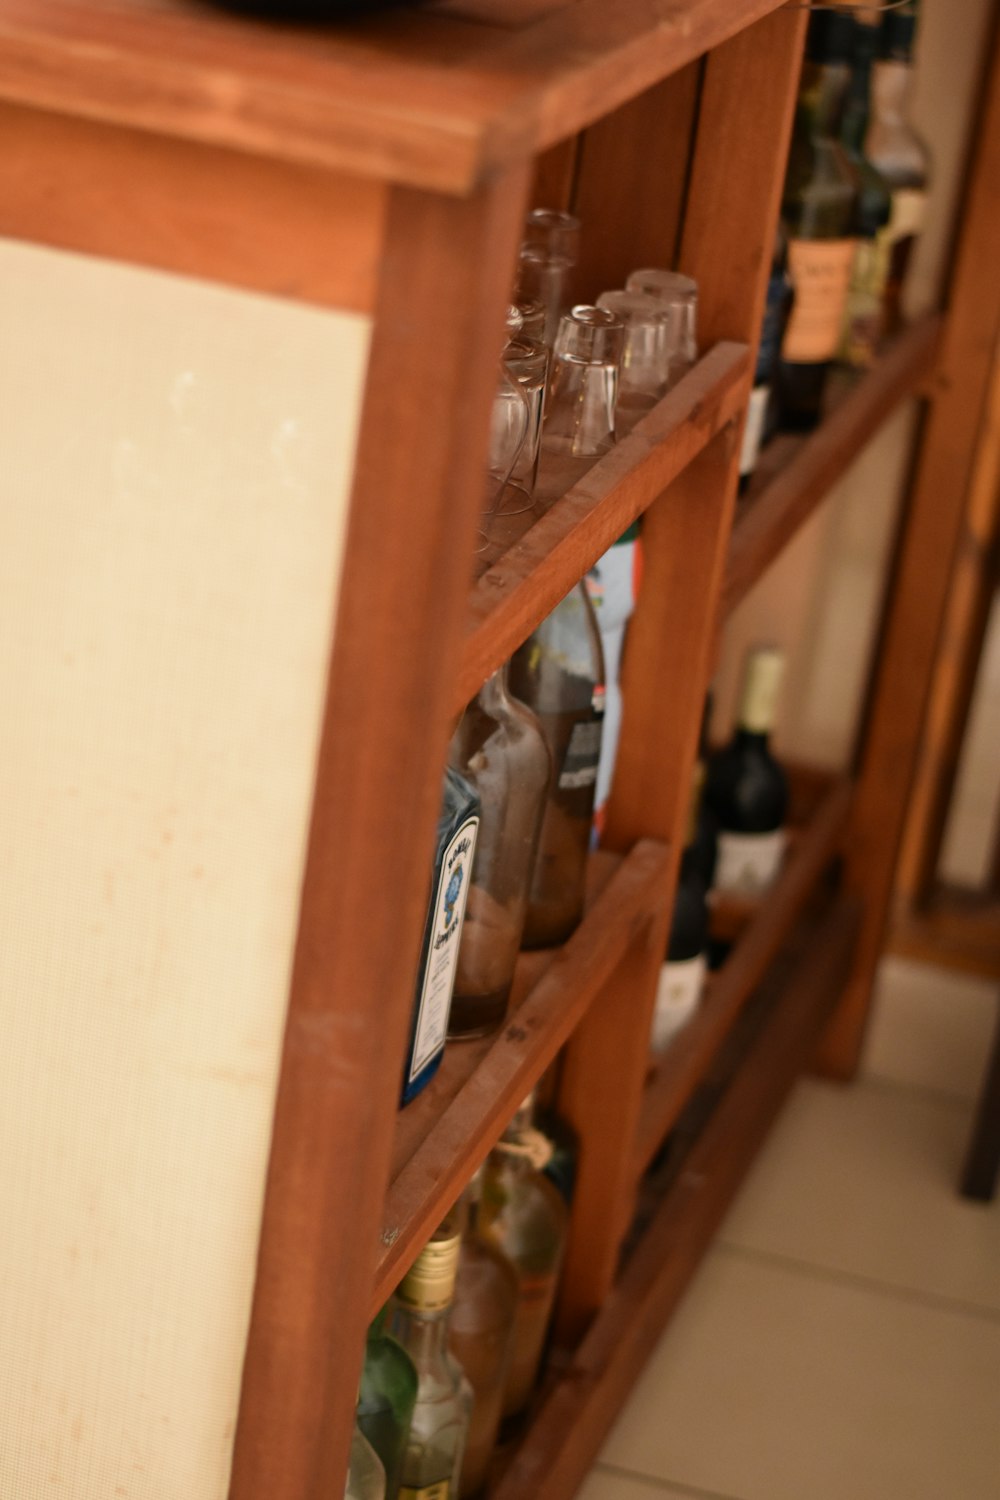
<point>680,296</point>
<point>645,363</point>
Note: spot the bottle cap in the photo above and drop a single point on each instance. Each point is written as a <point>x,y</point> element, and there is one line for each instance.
<point>764,671</point>
<point>589,336</point>
<point>430,1282</point>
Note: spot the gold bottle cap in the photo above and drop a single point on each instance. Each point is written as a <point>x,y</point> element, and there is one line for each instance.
<point>764,670</point>
<point>430,1282</point>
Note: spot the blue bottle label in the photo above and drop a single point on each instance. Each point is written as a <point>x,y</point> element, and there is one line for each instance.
<point>441,958</point>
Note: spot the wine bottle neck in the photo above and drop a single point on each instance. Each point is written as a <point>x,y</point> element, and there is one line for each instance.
<point>423,1334</point>
<point>822,100</point>
<point>891,82</point>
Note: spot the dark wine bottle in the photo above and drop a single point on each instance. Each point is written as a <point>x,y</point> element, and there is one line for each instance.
<point>747,788</point>
<point>456,846</point>
<point>682,976</point>
<point>761,414</point>
<point>862,330</point>
<point>818,206</point>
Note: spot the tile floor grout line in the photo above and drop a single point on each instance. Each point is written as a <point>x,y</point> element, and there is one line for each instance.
<point>872,1284</point>
<point>926,1091</point>
<point>693,1491</point>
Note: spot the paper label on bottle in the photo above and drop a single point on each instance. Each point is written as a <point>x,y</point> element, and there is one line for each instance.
<point>579,766</point>
<point>442,953</point>
<point>821,273</point>
<point>678,995</point>
<point>909,209</point>
<point>749,862</point>
<point>439,1491</point>
<point>754,429</point>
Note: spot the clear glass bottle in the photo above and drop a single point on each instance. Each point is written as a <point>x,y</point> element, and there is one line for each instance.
<point>746,786</point>
<point>481,1335</point>
<point>819,208</point>
<point>458,824</point>
<point>421,1306</point>
<point>678,295</point>
<point>896,150</point>
<point>386,1399</point>
<point>549,253</point>
<point>500,749</point>
<point>862,329</point>
<point>583,392</point>
<point>645,359</point>
<point>365,1474</point>
<point>525,1216</point>
<point>559,674</point>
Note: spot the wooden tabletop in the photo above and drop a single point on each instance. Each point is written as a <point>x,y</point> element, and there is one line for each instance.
<point>440,95</point>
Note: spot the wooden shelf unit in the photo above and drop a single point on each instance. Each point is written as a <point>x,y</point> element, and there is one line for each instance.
<point>384,168</point>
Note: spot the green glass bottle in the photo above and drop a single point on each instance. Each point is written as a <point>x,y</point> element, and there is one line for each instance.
<point>819,210</point>
<point>387,1398</point>
<point>862,329</point>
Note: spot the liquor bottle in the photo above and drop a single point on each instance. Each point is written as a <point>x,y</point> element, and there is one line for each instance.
<point>500,750</point>
<point>548,255</point>
<point>613,586</point>
<point>747,788</point>
<point>761,415</point>
<point>678,296</point>
<point>583,392</point>
<point>524,1215</point>
<point>862,329</point>
<point>386,1399</point>
<point>456,847</point>
<point>365,1474</point>
<point>481,1335</point>
<point>894,147</point>
<point>559,674</point>
<point>704,847</point>
<point>818,207</point>
<point>433,1460</point>
<point>682,975</point>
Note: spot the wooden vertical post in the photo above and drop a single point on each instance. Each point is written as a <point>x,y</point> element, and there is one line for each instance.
<point>726,242</point>
<point>932,524</point>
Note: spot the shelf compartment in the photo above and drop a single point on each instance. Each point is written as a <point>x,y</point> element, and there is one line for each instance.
<point>449,1129</point>
<point>441,98</point>
<point>796,473</point>
<point>678,1073</point>
<point>957,928</point>
<point>573,1420</point>
<point>527,583</point>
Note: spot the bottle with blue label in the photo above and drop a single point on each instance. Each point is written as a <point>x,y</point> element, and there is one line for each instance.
<point>456,846</point>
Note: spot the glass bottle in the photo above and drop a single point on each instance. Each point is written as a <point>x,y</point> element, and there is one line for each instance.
<point>559,674</point>
<point>818,206</point>
<point>645,359</point>
<point>421,1306</point>
<point>862,329</point>
<point>678,295</point>
<point>896,150</point>
<point>549,253</point>
<point>613,586</point>
<point>458,824</point>
<point>747,787</point>
<point>386,1399</point>
<point>365,1474</point>
<point>682,975</point>
<point>500,749</point>
<point>524,1215</point>
<point>761,415</point>
<point>481,1335</point>
<point>583,392</point>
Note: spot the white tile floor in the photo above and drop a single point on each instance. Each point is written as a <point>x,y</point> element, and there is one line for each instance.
<point>842,1338</point>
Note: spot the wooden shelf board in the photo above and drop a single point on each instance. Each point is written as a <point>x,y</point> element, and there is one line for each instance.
<point>438,97</point>
<point>796,473</point>
<point>519,590</point>
<point>574,1419</point>
<point>957,928</point>
<point>678,1073</point>
<point>449,1129</point>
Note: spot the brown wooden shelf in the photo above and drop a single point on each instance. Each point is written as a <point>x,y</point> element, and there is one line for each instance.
<point>518,591</point>
<point>439,97</point>
<point>447,1131</point>
<point>682,1067</point>
<point>796,473</point>
<point>957,927</point>
<point>574,1418</point>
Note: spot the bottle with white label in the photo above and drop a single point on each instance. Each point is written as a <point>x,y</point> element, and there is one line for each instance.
<point>818,207</point>
<point>458,825</point>
<point>613,586</point>
<point>761,416</point>
<point>559,674</point>
<point>901,157</point>
<point>682,976</point>
<point>432,1464</point>
<point>747,788</point>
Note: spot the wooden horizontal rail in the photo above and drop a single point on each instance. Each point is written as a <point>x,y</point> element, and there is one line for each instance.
<point>574,1420</point>
<point>682,1067</point>
<point>957,928</point>
<point>514,595</point>
<point>796,474</point>
<point>482,1084</point>
<point>439,97</point>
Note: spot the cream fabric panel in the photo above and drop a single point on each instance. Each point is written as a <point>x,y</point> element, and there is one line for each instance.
<point>176,464</point>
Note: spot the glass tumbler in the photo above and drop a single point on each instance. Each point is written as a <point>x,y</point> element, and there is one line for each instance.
<point>548,255</point>
<point>645,365</point>
<point>680,296</point>
<point>583,393</point>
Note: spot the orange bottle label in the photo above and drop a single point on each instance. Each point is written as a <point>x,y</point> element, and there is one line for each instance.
<point>821,274</point>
